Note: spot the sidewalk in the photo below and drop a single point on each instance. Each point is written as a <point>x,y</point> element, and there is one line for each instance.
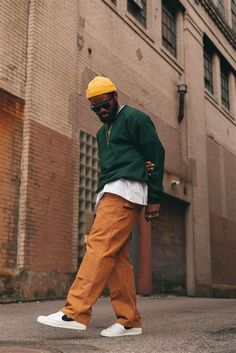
<point>170,325</point>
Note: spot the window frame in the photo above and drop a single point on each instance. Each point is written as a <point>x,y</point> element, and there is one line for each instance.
<point>137,12</point>
<point>224,83</point>
<point>221,7</point>
<point>208,69</point>
<point>233,15</point>
<point>169,27</point>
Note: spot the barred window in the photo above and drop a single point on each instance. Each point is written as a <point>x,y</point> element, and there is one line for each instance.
<point>225,86</point>
<point>138,9</point>
<point>208,72</point>
<point>169,27</point>
<point>221,7</point>
<point>233,11</point>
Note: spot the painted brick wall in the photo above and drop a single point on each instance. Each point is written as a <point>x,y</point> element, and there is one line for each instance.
<point>49,216</point>
<point>11,129</point>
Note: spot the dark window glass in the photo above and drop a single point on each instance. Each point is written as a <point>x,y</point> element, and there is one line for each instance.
<point>233,10</point>
<point>169,27</point>
<point>208,75</point>
<point>221,7</point>
<point>114,2</point>
<point>138,9</point>
<point>225,86</point>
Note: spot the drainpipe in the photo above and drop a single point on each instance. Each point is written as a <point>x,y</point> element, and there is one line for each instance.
<point>182,90</point>
<point>144,285</point>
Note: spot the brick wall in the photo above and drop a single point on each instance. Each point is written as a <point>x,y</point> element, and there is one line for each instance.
<point>13,45</point>
<point>222,191</point>
<point>50,91</point>
<point>38,42</point>
<point>49,216</point>
<point>169,248</point>
<point>11,129</point>
<point>48,53</point>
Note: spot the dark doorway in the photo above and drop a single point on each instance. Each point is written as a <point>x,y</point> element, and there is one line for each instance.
<point>169,248</point>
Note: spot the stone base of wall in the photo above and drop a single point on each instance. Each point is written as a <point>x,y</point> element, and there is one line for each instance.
<point>215,291</point>
<point>203,290</point>
<point>29,285</point>
<point>11,134</point>
<point>224,291</point>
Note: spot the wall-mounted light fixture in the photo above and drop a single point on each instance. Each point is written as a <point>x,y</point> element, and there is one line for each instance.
<point>182,90</point>
<point>174,183</point>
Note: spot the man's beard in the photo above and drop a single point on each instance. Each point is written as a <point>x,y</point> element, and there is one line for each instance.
<point>112,115</point>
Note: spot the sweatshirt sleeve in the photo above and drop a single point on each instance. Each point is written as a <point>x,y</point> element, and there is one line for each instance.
<point>148,143</point>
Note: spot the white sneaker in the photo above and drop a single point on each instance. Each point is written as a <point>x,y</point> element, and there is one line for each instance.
<point>117,330</point>
<point>59,319</point>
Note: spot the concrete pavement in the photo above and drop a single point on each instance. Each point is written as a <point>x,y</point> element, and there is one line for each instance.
<point>170,324</point>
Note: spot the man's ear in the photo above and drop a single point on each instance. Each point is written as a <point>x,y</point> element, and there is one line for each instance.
<point>115,96</point>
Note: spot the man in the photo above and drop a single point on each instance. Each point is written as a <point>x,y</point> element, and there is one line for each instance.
<point>126,141</point>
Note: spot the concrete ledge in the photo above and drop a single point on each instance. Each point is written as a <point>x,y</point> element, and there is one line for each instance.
<point>28,285</point>
<point>203,290</point>
<point>224,291</point>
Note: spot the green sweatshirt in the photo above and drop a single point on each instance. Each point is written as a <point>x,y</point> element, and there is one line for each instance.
<point>132,140</point>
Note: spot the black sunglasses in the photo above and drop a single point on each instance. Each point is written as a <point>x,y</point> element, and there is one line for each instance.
<point>105,105</point>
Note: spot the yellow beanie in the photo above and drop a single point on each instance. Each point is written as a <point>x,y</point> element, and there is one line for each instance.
<point>99,85</point>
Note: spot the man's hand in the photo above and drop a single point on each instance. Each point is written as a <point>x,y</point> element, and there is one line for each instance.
<point>149,166</point>
<point>152,212</point>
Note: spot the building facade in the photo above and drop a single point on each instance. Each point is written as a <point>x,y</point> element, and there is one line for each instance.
<point>174,60</point>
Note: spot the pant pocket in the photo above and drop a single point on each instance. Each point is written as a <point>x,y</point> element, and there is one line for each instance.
<point>128,204</point>
<point>114,294</point>
<point>88,268</point>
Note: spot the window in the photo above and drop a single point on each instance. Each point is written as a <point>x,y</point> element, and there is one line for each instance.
<point>233,11</point>
<point>224,71</point>
<point>169,26</point>
<point>208,72</point>
<point>138,9</point>
<point>113,1</point>
<point>88,181</point>
<point>221,7</point>
<point>225,85</point>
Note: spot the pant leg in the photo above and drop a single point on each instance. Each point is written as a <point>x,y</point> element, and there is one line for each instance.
<point>122,289</point>
<point>111,229</point>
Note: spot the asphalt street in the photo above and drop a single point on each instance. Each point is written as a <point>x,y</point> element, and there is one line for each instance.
<point>170,325</point>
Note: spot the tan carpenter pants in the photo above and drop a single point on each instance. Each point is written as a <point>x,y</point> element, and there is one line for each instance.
<point>107,261</point>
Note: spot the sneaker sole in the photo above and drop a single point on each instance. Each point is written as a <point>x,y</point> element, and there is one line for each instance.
<point>132,332</point>
<point>74,326</point>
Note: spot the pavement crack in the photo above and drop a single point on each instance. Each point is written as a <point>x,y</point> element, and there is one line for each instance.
<point>71,348</point>
<point>27,345</point>
<point>224,331</point>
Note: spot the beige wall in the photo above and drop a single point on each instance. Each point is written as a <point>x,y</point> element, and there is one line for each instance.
<point>13,45</point>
